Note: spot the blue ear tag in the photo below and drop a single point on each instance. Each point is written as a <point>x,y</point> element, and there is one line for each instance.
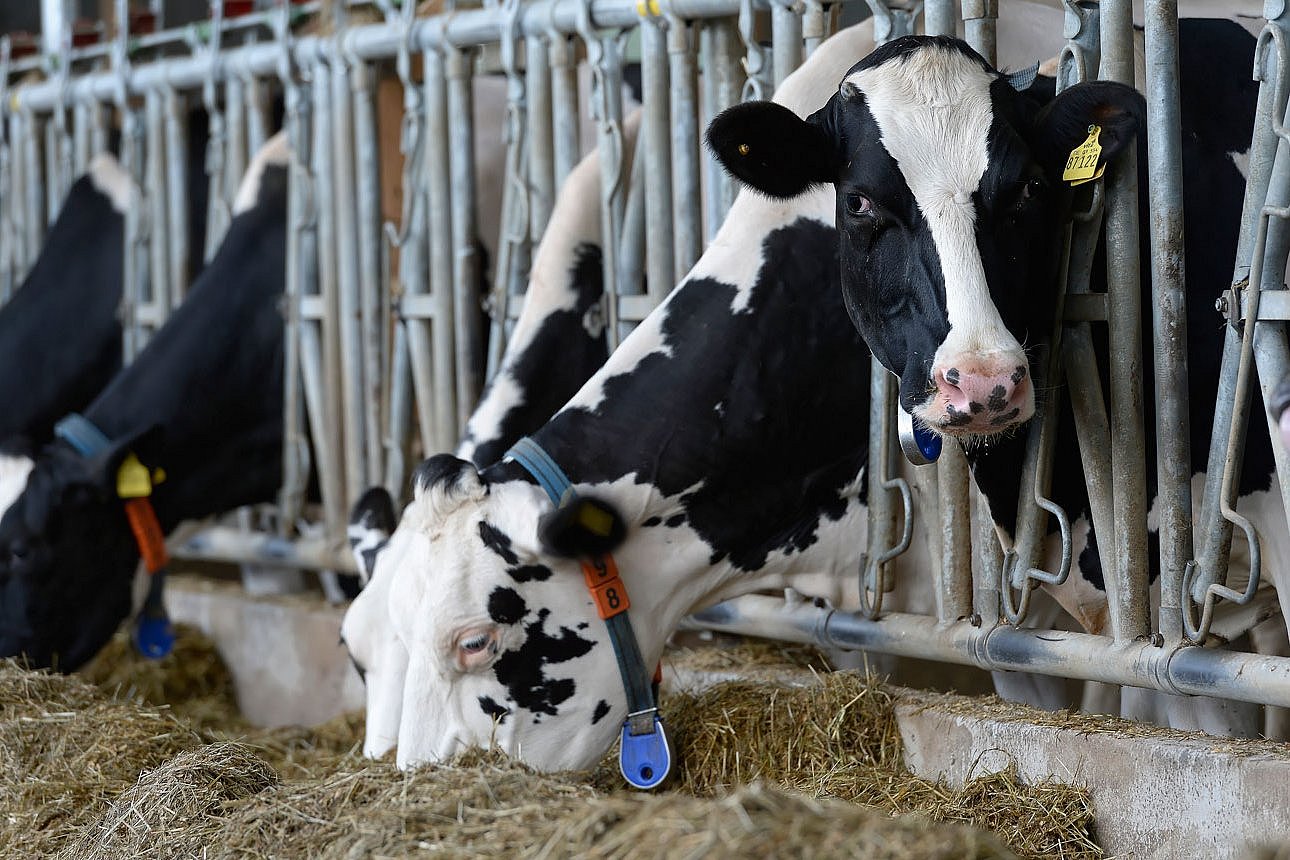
<point>644,759</point>
<point>153,636</point>
<point>920,445</point>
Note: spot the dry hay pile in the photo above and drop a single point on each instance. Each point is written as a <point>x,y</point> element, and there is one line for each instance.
<point>762,771</point>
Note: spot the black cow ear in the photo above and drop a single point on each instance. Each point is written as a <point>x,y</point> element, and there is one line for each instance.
<point>371,522</point>
<point>583,527</point>
<point>443,483</point>
<point>771,149</point>
<point>1118,110</point>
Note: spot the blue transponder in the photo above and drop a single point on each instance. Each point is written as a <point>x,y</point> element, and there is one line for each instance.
<point>154,637</point>
<point>928,442</point>
<point>645,759</point>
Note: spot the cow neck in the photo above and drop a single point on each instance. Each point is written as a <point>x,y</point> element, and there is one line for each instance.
<point>644,756</point>
<point>205,394</point>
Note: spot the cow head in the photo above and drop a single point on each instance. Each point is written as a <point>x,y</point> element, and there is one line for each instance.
<point>500,641</point>
<point>67,558</point>
<point>949,193</point>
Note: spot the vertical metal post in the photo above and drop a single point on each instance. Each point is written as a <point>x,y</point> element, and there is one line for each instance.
<point>540,135</point>
<point>564,104</point>
<point>176,120</point>
<point>466,271</point>
<point>435,378</point>
<point>34,212</point>
<point>371,281</point>
<point>655,141</point>
<point>940,18</point>
<point>1173,437</point>
<point>956,586</point>
<point>979,19</point>
<point>815,26</point>
<point>723,86</point>
<point>156,197</point>
<point>349,303</point>
<point>687,230</point>
<point>235,152</point>
<point>786,38</point>
<point>1127,585</point>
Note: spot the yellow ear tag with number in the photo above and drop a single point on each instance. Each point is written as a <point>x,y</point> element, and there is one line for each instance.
<point>1082,166</point>
<point>595,520</point>
<point>132,479</point>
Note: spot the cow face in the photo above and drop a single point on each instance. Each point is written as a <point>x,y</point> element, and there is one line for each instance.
<point>67,559</point>
<point>502,643</point>
<point>949,190</point>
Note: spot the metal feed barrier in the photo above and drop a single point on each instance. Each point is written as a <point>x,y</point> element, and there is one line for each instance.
<point>370,361</point>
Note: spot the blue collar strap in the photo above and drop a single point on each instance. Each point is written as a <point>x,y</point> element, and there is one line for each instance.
<point>644,757</point>
<point>76,430</point>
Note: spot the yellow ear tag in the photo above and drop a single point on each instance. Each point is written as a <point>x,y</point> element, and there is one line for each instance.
<point>132,479</point>
<point>595,520</point>
<point>1081,166</point>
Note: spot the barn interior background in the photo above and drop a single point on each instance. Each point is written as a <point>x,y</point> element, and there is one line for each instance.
<point>391,337</point>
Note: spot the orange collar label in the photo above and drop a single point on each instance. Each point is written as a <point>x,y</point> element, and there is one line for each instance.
<point>147,533</point>
<point>607,589</point>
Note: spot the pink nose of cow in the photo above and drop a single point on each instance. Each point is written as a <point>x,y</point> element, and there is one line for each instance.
<point>983,395</point>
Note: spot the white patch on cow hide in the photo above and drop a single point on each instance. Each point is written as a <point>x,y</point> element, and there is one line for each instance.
<point>276,151</point>
<point>645,340</point>
<point>1242,162</point>
<point>485,423</point>
<point>934,111</point>
<point>112,181</point>
<point>13,479</point>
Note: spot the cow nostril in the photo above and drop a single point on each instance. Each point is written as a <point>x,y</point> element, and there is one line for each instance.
<point>1018,374</point>
<point>952,376</point>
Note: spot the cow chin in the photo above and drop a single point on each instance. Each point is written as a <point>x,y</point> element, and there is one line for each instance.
<point>969,428</point>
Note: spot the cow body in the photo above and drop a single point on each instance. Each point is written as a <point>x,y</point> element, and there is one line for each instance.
<point>925,233</point>
<point>202,401</point>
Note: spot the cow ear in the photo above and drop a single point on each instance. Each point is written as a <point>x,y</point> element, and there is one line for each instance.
<point>582,527</point>
<point>1118,110</point>
<point>371,522</point>
<point>772,150</point>
<point>443,483</point>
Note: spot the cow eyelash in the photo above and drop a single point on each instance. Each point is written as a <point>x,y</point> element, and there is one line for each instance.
<point>475,644</point>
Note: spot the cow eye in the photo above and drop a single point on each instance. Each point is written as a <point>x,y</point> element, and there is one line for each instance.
<point>1032,189</point>
<point>475,644</point>
<point>859,206</point>
<point>476,648</point>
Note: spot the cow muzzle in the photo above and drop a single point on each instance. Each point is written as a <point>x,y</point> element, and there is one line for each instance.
<point>977,396</point>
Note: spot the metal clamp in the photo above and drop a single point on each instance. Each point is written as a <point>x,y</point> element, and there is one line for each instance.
<point>412,132</point>
<point>756,68</point>
<point>873,573</point>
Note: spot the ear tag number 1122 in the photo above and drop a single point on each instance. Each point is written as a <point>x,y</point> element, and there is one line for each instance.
<point>1082,164</point>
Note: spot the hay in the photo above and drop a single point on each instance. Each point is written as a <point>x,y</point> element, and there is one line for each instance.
<point>192,680</point>
<point>840,739</point>
<point>763,770</point>
<point>168,800</point>
<point>65,751</point>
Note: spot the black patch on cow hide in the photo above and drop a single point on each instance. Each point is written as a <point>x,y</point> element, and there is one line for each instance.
<point>530,573</point>
<point>791,374</point>
<point>521,670</point>
<point>651,522</point>
<point>559,359</point>
<point>498,541</point>
<point>494,710</point>
<point>601,711</point>
<point>505,606</point>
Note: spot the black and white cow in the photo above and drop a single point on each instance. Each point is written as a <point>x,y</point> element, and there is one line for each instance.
<point>557,344</point>
<point>203,401</point>
<point>731,468</point>
<point>947,187</point>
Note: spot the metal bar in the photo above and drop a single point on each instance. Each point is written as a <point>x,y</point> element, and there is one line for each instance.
<point>1127,584</point>
<point>655,140</point>
<point>815,26</point>
<point>1181,671</point>
<point>233,546</point>
<point>34,212</point>
<point>466,271</point>
<point>1173,437</point>
<point>687,229</point>
<point>979,19</point>
<point>940,18</point>
<point>956,585</point>
<point>564,105</point>
<point>541,143</point>
<point>348,281</point>
<point>723,85</point>
<point>786,38</point>
<point>176,122</point>
<point>157,199</point>
<point>235,151</point>
<point>371,281</point>
<point>434,376</point>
